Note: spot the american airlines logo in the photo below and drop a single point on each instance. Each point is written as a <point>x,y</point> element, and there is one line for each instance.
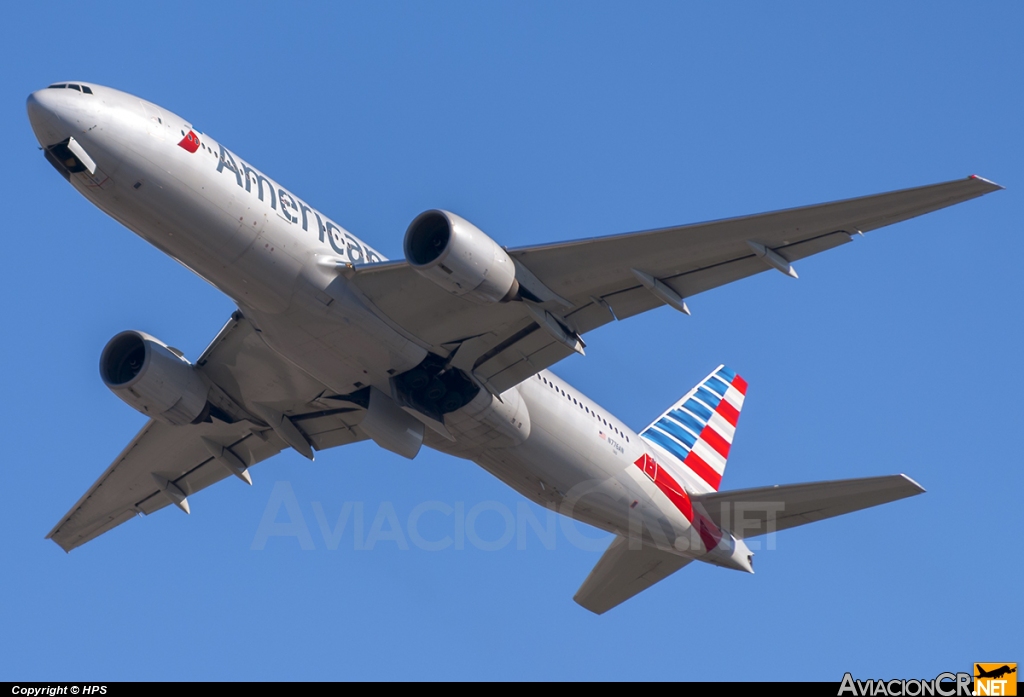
<point>190,142</point>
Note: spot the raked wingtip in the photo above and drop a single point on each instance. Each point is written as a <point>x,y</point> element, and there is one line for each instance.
<point>995,187</point>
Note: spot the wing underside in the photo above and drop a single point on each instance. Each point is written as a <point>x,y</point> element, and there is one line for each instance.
<point>165,464</point>
<point>503,344</point>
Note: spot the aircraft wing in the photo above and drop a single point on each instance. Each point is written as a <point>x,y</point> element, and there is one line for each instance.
<point>590,282</point>
<point>622,572</point>
<point>165,464</point>
<point>751,512</point>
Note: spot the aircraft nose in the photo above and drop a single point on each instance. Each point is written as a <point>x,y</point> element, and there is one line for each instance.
<point>44,114</point>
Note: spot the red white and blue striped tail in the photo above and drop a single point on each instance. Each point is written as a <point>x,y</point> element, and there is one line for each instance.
<point>699,428</point>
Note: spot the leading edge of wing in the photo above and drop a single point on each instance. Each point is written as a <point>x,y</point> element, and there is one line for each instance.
<point>246,371</point>
<point>99,481</point>
<point>978,186</point>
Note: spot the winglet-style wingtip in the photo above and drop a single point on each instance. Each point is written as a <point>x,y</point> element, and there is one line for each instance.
<point>995,187</point>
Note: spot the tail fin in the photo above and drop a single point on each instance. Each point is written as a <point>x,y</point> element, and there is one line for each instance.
<point>698,429</point>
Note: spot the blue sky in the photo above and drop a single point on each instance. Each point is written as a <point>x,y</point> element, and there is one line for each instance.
<point>541,122</point>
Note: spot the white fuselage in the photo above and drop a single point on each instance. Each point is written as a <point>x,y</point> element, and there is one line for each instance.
<point>275,256</point>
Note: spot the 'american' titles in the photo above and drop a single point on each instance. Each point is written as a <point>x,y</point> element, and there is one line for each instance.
<point>295,210</point>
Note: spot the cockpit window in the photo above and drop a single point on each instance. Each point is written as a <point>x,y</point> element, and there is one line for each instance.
<point>72,86</point>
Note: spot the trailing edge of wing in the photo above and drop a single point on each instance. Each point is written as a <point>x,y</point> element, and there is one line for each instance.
<point>751,512</point>
<point>191,458</point>
<point>595,279</point>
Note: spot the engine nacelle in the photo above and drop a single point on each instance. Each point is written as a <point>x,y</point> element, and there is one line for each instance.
<point>456,255</point>
<point>153,379</point>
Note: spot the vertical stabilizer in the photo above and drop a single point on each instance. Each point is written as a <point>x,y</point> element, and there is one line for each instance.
<point>699,428</point>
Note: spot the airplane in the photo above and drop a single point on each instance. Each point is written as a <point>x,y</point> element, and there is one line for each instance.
<point>449,348</point>
<point>995,672</point>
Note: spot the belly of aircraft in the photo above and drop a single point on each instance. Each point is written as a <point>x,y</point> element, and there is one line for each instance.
<point>303,312</point>
<point>565,465</point>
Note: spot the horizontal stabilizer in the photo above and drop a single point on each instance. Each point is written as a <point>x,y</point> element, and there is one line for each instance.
<point>621,573</point>
<point>751,512</point>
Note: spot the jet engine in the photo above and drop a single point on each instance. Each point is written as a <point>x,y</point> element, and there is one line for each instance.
<point>456,255</point>
<point>153,378</point>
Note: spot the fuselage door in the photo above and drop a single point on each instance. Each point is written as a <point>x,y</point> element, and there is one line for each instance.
<point>154,120</point>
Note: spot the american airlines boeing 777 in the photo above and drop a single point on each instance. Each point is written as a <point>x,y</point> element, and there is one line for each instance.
<point>448,348</point>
